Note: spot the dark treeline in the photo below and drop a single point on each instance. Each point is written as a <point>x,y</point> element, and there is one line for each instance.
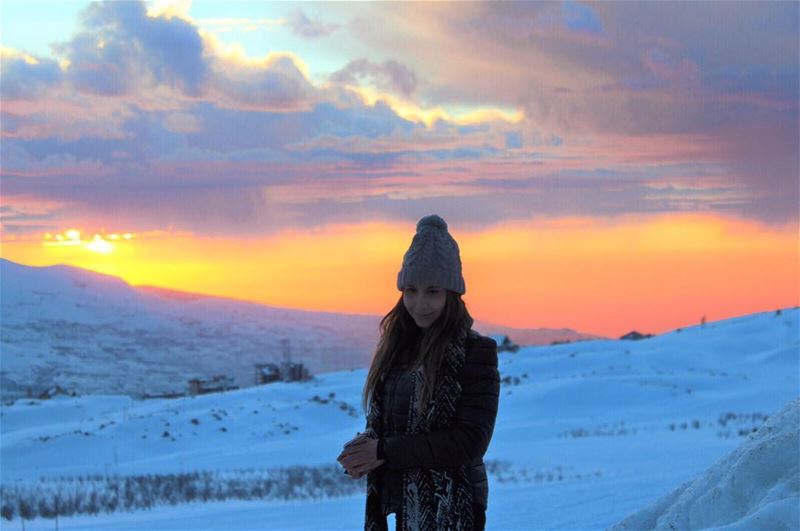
<point>68,496</point>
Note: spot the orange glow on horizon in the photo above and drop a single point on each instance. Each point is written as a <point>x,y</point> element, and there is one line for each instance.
<point>99,243</point>
<point>652,274</point>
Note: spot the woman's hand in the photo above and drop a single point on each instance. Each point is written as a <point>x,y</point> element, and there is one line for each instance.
<point>360,456</point>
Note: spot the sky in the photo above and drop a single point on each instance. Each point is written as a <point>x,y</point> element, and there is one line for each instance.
<point>603,166</point>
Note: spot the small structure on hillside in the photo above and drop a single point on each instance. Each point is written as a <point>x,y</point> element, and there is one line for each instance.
<point>267,373</point>
<point>50,392</point>
<point>506,345</point>
<point>217,384</point>
<point>285,371</point>
<point>635,335</point>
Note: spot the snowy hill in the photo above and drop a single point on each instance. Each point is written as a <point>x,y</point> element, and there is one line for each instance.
<point>587,433</point>
<point>757,486</point>
<point>95,334</point>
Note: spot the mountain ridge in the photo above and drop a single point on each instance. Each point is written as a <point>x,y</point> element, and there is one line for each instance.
<point>93,333</point>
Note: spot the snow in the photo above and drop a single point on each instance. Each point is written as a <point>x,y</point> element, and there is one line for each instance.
<point>757,486</point>
<point>95,334</point>
<point>588,434</point>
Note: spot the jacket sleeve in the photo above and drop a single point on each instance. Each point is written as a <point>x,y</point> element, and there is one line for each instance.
<point>468,438</point>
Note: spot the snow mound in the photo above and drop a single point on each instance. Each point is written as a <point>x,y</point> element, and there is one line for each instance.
<point>757,486</point>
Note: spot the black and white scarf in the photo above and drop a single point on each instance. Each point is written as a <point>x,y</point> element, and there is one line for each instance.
<point>433,498</point>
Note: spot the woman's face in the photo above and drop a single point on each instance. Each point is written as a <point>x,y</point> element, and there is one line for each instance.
<point>424,303</point>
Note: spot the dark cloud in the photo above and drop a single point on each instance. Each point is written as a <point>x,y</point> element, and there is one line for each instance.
<point>280,86</point>
<point>120,50</point>
<point>211,143</point>
<point>389,76</point>
<point>208,208</point>
<point>119,44</point>
<point>307,28</point>
<point>229,148</point>
<point>22,79</point>
<point>549,196</point>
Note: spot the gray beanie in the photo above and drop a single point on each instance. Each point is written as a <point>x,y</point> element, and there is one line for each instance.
<point>433,258</point>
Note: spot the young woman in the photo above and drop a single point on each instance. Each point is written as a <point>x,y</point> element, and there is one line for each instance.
<point>431,399</point>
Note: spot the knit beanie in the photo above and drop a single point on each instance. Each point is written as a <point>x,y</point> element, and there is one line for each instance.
<point>433,258</point>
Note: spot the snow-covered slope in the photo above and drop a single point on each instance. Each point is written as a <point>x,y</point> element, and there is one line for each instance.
<point>757,486</point>
<point>95,334</point>
<point>587,433</point>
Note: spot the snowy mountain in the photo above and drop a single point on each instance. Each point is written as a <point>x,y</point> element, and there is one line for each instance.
<point>95,334</point>
<point>587,433</point>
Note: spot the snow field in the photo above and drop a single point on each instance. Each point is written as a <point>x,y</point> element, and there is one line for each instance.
<point>586,434</point>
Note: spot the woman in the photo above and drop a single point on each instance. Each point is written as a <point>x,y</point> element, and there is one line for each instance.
<point>432,393</point>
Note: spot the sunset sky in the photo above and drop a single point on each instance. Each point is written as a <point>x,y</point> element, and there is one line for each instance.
<point>603,166</point>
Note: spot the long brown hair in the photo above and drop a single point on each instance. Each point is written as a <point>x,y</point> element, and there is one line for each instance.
<point>400,334</point>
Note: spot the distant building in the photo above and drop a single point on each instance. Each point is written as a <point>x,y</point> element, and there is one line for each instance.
<point>217,384</point>
<point>287,371</point>
<point>294,372</point>
<point>267,373</point>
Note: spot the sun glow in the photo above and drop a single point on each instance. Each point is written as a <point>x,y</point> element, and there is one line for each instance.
<point>598,276</point>
<point>98,243</point>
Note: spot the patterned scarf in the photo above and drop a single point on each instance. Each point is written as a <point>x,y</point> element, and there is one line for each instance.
<point>433,498</point>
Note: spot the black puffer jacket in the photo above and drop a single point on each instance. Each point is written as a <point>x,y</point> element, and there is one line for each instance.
<point>465,443</point>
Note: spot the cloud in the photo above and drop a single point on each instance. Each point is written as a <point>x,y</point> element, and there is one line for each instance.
<point>570,18</point>
<point>513,140</point>
<point>231,24</point>
<point>182,123</point>
<point>666,65</point>
<point>121,48</point>
<point>123,51</point>
<point>307,28</point>
<point>277,85</point>
<point>480,109</point>
<point>389,76</point>
<point>25,214</point>
<point>24,77</point>
<point>577,77</point>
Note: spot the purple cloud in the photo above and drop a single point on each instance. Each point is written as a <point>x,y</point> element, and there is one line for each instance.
<point>389,76</point>
<point>121,51</point>
<point>279,86</point>
<point>22,79</point>
<point>307,28</point>
<point>119,45</point>
<point>152,121</point>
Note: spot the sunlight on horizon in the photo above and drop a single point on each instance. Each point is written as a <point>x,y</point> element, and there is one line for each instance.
<point>653,273</point>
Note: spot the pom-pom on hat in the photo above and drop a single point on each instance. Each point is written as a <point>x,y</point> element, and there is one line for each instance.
<point>433,258</point>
